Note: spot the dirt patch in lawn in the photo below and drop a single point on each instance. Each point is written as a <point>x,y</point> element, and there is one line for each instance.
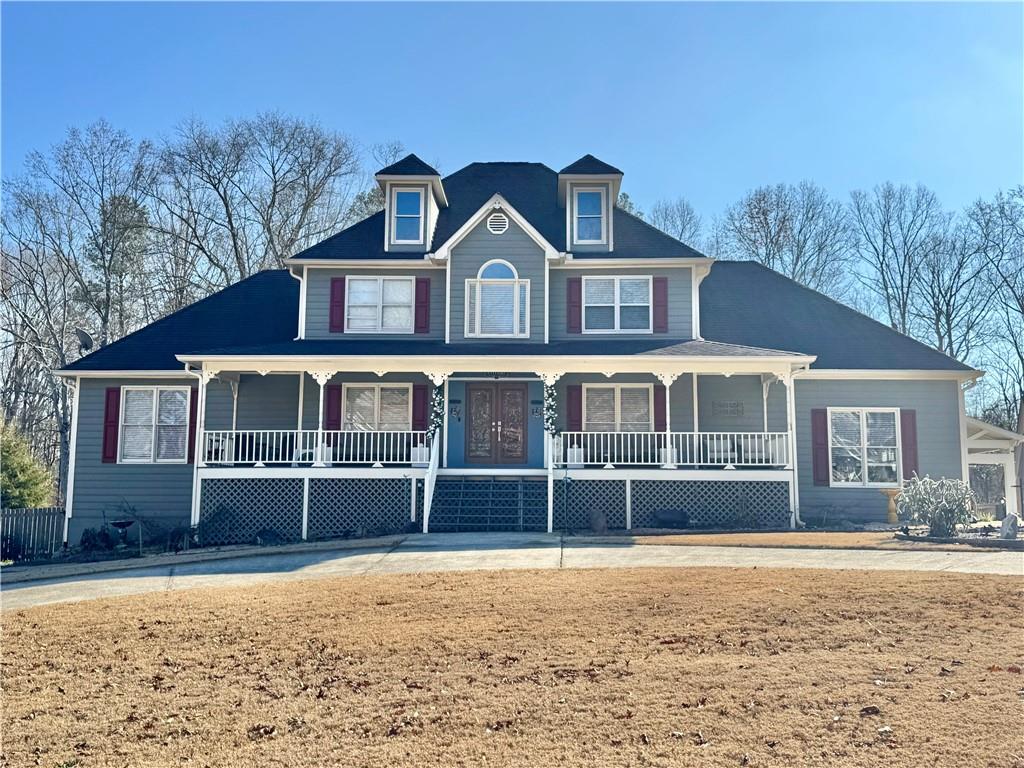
<point>716,667</point>
<point>801,540</point>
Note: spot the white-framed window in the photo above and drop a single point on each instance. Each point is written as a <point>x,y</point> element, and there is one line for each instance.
<point>379,304</point>
<point>864,447</point>
<point>497,302</point>
<point>618,407</point>
<point>590,225</point>
<point>154,425</point>
<point>407,215</point>
<point>618,304</point>
<point>376,407</point>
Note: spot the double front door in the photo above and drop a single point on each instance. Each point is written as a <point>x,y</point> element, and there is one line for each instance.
<point>496,423</point>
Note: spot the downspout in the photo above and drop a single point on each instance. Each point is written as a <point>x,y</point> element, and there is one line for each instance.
<point>301,323</point>
<point>201,394</point>
<point>69,487</point>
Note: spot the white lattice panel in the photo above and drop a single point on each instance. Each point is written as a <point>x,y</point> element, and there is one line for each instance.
<point>242,510</point>
<point>585,496</point>
<point>358,507</point>
<point>712,504</point>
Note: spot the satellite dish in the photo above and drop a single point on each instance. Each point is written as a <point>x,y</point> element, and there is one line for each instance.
<point>85,342</point>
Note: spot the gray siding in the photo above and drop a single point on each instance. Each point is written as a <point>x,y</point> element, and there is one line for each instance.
<point>158,492</point>
<point>938,437</point>
<point>318,302</point>
<point>264,402</point>
<point>747,391</point>
<point>480,246</point>
<point>680,301</point>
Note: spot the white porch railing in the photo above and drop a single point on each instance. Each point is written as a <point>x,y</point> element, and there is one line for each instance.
<point>311,447</point>
<point>716,449</point>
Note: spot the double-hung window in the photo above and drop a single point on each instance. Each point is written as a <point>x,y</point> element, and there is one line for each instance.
<point>497,302</point>
<point>407,216</point>
<point>618,408</point>
<point>864,446</point>
<point>377,407</point>
<point>154,425</point>
<point>617,304</point>
<point>379,304</point>
<point>589,224</point>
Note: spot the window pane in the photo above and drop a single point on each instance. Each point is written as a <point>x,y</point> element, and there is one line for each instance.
<point>884,473</point>
<point>635,409</point>
<point>397,318</point>
<point>524,309</point>
<point>137,443</point>
<point>635,318</point>
<point>407,203</point>
<point>846,428</point>
<point>397,292</point>
<point>407,228</point>
<point>498,271</point>
<point>588,229</point>
<point>362,291</point>
<point>881,429</point>
<point>846,465</point>
<point>599,291</point>
<point>173,407</point>
<point>600,318</point>
<point>600,409</point>
<point>170,442</point>
<point>634,292</point>
<point>394,408</point>
<point>588,203</point>
<point>360,408</point>
<point>138,407</point>
<point>496,309</point>
<point>362,318</point>
<point>882,456</point>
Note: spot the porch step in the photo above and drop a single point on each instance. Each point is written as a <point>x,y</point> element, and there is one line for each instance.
<point>475,503</point>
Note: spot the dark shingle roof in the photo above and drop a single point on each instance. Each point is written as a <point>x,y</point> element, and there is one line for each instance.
<point>590,165</point>
<point>410,165</point>
<point>530,188</point>
<point>743,302</point>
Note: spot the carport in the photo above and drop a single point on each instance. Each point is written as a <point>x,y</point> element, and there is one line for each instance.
<point>988,444</point>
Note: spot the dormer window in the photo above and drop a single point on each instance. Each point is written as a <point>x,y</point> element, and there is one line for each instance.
<point>590,225</point>
<point>497,302</point>
<point>407,216</point>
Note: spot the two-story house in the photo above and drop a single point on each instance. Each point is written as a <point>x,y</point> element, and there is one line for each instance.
<point>505,349</point>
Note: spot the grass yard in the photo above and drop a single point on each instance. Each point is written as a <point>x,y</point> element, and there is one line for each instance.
<point>662,667</point>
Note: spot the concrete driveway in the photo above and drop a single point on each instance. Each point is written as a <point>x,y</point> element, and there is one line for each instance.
<point>483,551</point>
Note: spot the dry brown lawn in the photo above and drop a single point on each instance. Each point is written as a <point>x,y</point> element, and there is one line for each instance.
<point>803,540</point>
<point>661,667</point>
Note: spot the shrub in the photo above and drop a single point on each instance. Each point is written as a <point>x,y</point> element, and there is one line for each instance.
<point>103,539</point>
<point>24,481</point>
<point>943,505</point>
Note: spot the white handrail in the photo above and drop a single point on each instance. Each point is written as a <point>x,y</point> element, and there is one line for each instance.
<point>430,479</point>
<point>304,447</point>
<point>728,449</point>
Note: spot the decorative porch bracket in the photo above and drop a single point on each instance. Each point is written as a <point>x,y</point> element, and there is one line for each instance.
<point>321,378</point>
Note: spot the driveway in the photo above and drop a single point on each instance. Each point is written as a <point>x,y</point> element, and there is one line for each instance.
<point>482,551</point>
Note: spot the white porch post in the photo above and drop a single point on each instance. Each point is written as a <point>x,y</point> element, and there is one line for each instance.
<point>321,378</point>
<point>205,375</point>
<point>302,389</point>
<point>305,508</point>
<point>440,380</point>
<point>669,459</point>
<point>69,488</point>
<point>549,378</point>
<point>1010,484</point>
<point>794,490</point>
<point>696,417</point>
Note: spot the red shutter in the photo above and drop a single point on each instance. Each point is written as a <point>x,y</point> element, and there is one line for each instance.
<point>574,407</point>
<point>419,407</point>
<point>660,413</point>
<point>908,440</point>
<point>111,422</point>
<point>819,446</point>
<point>422,305</point>
<point>193,410</point>
<point>332,406</point>
<point>337,312</point>
<point>661,305</point>
<point>574,305</point>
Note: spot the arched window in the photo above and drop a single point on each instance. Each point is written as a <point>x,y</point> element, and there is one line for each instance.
<point>497,302</point>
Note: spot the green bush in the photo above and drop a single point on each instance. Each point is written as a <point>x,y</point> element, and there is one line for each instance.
<point>24,481</point>
<point>943,505</point>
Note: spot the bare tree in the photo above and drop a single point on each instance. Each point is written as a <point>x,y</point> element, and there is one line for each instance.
<point>677,218</point>
<point>371,199</point>
<point>797,230</point>
<point>625,203</point>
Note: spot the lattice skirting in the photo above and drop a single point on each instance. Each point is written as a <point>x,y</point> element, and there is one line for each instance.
<point>586,497</point>
<point>242,510</point>
<point>358,507</point>
<point>710,504</point>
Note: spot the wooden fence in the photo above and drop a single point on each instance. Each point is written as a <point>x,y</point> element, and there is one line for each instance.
<point>28,534</point>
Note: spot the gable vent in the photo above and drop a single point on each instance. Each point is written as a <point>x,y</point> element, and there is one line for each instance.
<point>497,223</point>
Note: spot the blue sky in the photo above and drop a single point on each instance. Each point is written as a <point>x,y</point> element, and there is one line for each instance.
<point>702,100</point>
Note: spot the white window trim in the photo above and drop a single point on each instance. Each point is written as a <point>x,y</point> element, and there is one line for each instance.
<point>394,215</point>
<point>863,411</point>
<point>376,386</point>
<point>380,303</point>
<point>576,215</point>
<point>156,390</point>
<point>618,402</point>
<point>617,305</point>
<point>516,282</point>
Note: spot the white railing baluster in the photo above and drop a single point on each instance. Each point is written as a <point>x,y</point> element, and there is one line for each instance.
<point>694,449</point>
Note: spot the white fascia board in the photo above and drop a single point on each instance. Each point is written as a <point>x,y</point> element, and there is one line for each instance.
<point>984,428</point>
<point>434,181</point>
<point>422,262</point>
<point>177,374</point>
<point>571,262</point>
<point>496,203</point>
<point>887,375</point>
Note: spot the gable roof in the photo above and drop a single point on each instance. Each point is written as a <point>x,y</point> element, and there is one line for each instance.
<point>410,165</point>
<point>589,165</point>
<point>530,188</point>
<point>743,302</point>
